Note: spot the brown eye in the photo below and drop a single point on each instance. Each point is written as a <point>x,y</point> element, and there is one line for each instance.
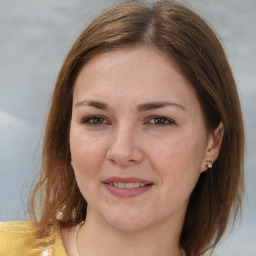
<point>95,120</point>
<point>159,120</point>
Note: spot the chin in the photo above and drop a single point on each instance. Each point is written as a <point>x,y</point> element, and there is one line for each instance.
<point>127,222</point>
<point>126,226</point>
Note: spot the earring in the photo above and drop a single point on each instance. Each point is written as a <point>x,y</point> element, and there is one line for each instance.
<point>209,165</point>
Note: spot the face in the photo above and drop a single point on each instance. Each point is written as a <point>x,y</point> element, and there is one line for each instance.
<point>138,139</point>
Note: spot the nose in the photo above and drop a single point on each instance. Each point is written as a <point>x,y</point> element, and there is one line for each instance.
<point>124,149</point>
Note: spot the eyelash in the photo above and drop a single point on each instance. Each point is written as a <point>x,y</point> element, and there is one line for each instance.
<point>165,121</point>
<point>91,121</point>
<point>88,120</point>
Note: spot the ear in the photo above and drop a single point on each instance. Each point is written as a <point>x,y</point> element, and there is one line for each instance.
<point>213,146</point>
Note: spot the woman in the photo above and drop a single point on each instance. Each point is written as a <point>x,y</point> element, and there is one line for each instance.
<point>143,147</point>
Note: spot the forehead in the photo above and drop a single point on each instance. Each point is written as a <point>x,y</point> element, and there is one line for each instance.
<point>137,67</point>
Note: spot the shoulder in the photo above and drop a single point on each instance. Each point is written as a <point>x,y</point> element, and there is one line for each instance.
<point>16,227</point>
<point>18,238</point>
<point>15,237</point>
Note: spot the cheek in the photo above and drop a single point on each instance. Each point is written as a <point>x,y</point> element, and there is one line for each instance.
<point>179,165</point>
<point>86,162</point>
<point>87,155</point>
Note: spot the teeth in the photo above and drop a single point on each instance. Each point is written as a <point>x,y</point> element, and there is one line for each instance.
<point>132,185</point>
<point>127,185</point>
<point>119,185</point>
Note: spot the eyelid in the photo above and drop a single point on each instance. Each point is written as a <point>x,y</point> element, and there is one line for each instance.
<point>170,121</point>
<point>87,119</point>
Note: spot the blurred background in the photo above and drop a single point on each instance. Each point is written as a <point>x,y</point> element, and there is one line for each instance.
<point>35,36</point>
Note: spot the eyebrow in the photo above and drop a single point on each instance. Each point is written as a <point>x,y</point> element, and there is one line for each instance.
<point>140,108</point>
<point>156,105</point>
<point>93,103</point>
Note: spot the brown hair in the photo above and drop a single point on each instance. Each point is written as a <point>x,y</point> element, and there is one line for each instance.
<point>189,41</point>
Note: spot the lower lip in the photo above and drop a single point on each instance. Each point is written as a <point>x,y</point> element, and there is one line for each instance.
<point>127,192</point>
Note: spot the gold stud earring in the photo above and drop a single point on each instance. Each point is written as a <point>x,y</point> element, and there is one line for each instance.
<point>209,165</point>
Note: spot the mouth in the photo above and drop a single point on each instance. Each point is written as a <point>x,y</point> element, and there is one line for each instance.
<point>127,187</point>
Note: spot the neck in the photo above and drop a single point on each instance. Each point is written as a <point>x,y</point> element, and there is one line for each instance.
<point>96,238</point>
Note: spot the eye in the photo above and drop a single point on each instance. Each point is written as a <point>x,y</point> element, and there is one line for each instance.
<point>161,120</point>
<point>95,120</point>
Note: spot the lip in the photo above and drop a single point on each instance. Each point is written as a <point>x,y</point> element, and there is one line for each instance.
<point>126,192</point>
<point>126,180</point>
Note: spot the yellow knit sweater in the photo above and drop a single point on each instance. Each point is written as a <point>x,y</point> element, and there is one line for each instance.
<point>16,239</point>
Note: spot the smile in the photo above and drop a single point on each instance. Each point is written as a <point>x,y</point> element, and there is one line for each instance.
<point>127,187</point>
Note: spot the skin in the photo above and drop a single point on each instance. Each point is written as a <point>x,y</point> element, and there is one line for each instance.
<point>126,140</point>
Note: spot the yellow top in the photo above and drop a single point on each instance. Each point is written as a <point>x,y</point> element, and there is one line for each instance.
<point>16,239</point>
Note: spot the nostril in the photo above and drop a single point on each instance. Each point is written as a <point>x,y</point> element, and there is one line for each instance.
<point>123,153</point>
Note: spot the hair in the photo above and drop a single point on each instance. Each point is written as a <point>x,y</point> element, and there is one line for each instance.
<point>192,45</point>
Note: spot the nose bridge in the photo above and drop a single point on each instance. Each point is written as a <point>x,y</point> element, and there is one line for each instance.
<point>124,148</point>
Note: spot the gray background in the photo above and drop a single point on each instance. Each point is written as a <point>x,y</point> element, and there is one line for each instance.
<point>35,36</point>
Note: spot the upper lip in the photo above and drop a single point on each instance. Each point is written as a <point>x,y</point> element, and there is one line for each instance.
<point>126,180</point>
